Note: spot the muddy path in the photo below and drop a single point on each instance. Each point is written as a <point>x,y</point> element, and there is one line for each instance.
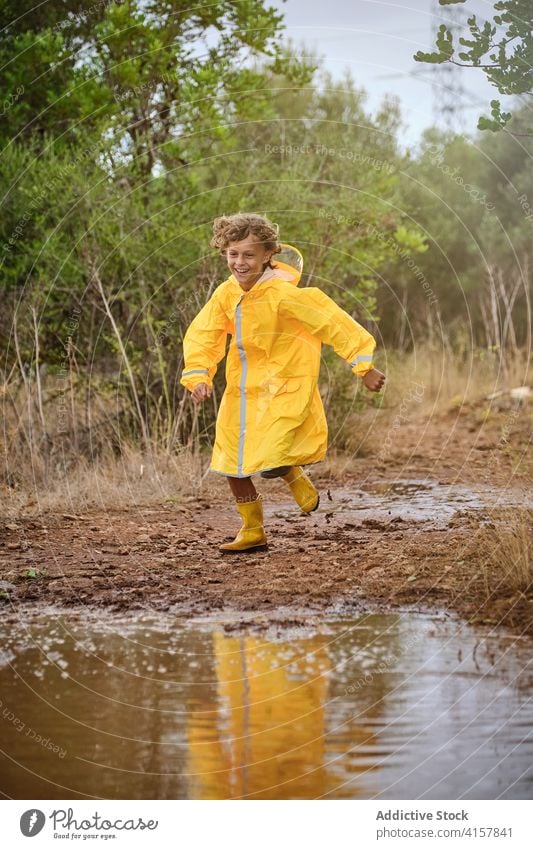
<point>404,533</point>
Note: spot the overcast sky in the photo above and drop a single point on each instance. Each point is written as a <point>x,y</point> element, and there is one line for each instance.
<point>376,39</point>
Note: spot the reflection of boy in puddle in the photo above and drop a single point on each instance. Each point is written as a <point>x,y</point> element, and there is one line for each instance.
<point>267,737</point>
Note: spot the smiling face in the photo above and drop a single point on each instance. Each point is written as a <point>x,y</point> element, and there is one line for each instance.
<point>247,260</point>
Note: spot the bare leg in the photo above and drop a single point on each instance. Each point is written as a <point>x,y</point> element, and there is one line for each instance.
<point>243,489</point>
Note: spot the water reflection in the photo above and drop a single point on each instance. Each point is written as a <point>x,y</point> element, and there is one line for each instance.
<point>379,707</point>
<point>267,739</point>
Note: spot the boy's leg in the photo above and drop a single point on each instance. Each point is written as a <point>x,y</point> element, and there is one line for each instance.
<point>251,536</point>
<point>243,488</point>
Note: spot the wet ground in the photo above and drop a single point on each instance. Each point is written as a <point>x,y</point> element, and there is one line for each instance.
<point>379,706</point>
<point>369,546</point>
<point>414,502</point>
<point>402,529</point>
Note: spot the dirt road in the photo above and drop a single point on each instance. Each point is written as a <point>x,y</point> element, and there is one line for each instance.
<point>406,531</point>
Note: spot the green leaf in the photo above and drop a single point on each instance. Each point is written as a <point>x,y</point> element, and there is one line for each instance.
<point>445,40</point>
<point>433,58</point>
<point>487,124</point>
<point>412,240</point>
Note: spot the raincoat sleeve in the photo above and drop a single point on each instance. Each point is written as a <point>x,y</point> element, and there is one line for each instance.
<point>323,318</point>
<point>204,344</point>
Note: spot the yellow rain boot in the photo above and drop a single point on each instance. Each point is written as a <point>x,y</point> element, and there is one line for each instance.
<point>251,536</point>
<point>303,490</point>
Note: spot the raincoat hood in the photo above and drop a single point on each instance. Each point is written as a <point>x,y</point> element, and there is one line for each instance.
<point>291,261</point>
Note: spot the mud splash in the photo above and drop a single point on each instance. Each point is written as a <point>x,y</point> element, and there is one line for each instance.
<point>381,706</point>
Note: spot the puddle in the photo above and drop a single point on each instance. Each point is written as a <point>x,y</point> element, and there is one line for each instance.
<point>382,706</point>
<point>414,501</point>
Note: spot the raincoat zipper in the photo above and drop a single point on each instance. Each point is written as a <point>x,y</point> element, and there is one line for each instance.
<point>242,386</point>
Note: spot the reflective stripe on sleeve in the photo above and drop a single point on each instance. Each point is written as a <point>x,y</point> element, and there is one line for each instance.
<point>362,358</point>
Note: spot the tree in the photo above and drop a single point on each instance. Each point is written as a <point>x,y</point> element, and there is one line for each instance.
<point>141,72</point>
<point>502,48</point>
<point>472,199</point>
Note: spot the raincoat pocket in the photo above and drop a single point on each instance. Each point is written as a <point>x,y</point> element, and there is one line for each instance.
<point>288,385</point>
<point>283,398</point>
<point>281,386</point>
<point>275,387</point>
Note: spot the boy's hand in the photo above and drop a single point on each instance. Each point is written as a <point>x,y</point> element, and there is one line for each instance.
<point>374,380</point>
<point>201,392</point>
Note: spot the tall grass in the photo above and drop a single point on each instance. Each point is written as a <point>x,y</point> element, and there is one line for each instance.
<point>421,384</point>
<point>71,443</point>
<point>505,550</point>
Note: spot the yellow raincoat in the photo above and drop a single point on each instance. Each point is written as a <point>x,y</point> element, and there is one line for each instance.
<point>271,413</point>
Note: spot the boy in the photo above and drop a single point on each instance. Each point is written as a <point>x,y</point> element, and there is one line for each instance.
<point>271,419</point>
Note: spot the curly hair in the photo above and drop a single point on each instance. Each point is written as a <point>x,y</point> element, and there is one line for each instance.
<point>235,228</point>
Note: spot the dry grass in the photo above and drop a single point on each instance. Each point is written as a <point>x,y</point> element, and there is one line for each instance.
<point>72,450</point>
<point>111,482</point>
<point>65,450</point>
<point>505,552</point>
<point>447,378</point>
<point>423,384</point>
